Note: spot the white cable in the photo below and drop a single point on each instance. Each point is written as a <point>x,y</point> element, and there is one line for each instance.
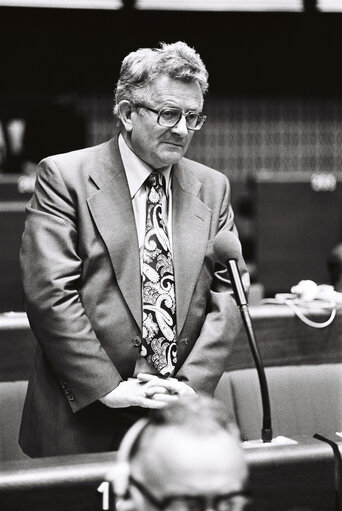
<point>289,300</point>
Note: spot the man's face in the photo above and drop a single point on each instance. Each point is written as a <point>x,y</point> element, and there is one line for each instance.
<point>154,144</point>
<point>182,463</point>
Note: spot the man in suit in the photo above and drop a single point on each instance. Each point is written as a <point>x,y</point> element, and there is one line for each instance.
<point>185,457</point>
<point>128,304</point>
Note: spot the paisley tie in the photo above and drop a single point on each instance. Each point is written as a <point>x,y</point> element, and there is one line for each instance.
<point>158,286</point>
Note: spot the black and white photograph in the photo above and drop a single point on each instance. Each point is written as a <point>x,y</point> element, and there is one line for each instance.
<point>170,255</point>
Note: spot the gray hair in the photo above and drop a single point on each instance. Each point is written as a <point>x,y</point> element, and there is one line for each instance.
<point>201,415</point>
<point>141,67</point>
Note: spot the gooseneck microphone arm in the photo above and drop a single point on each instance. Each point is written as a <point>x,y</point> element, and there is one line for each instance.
<point>227,249</point>
<point>240,296</point>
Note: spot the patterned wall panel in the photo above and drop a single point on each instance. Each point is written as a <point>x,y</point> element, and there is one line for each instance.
<point>243,135</point>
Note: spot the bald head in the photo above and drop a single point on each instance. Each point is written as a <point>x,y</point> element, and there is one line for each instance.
<point>178,460</point>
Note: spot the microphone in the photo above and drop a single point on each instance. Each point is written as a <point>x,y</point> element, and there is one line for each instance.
<point>227,249</point>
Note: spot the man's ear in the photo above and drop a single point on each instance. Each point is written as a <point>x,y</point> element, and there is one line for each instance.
<point>125,504</point>
<point>119,478</point>
<point>124,110</point>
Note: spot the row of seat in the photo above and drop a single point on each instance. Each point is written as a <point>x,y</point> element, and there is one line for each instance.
<point>304,400</point>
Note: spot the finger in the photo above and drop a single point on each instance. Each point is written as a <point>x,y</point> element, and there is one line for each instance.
<point>171,386</point>
<point>145,402</point>
<point>146,376</point>
<point>156,382</point>
<point>155,390</point>
<point>172,379</point>
<point>166,398</point>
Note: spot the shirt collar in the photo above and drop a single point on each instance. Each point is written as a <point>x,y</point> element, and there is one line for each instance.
<point>137,171</point>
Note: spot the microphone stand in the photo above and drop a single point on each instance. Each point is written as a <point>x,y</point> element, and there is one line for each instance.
<point>239,292</point>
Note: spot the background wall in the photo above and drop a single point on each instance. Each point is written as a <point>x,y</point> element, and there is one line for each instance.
<point>56,50</point>
<point>274,104</point>
<point>275,83</point>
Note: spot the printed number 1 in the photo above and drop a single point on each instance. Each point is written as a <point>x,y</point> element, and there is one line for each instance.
<point>104,489</point>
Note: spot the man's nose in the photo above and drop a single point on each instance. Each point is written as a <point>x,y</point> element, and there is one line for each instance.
<point>180,128</point>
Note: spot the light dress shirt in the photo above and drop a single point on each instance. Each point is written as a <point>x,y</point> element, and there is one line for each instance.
<point>137,171</point>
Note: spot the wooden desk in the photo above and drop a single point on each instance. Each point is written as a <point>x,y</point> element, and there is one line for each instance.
<point>281,477</point>
<point>15,192</point>
<point>17,347</point>
<point>293,477</point>
<point>282,338</point>
<point>12,219</point>
<point>61,483</point>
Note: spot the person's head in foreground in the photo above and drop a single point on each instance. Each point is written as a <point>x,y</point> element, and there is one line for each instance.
<point>186,457</point>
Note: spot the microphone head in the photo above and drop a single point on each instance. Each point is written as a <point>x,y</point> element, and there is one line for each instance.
<point>227,246</point>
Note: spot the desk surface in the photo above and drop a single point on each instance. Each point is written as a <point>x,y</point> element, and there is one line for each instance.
<point>14,320</point>
<point>282,339</point>
<point>281,477</point>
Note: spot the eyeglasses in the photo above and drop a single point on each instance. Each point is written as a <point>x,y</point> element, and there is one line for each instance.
<point>169,116</point>
<point>234,501</point>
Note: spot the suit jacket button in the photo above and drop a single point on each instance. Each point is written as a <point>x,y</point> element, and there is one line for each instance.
<point>136,341</point>
<point>71,397</point>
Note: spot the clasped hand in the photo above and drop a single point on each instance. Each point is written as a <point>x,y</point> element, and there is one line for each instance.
<point>147,391</point>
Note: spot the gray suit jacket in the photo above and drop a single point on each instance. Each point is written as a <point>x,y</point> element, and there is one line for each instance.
<point>82,283</point>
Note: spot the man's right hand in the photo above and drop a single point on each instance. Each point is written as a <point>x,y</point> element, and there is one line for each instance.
<point>132,393</point>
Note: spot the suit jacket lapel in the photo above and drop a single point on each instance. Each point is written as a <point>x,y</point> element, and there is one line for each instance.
<point>190,229</point>
<point>112,211</point>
